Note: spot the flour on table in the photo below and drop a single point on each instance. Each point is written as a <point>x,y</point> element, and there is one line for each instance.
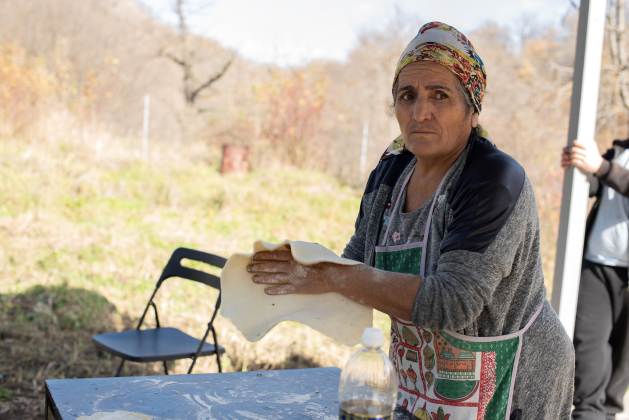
<point>116,415</point>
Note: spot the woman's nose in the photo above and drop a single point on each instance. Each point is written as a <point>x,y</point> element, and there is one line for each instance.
<point>421,110</point>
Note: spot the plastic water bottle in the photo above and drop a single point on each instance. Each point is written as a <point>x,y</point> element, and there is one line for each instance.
<point>368,386</point>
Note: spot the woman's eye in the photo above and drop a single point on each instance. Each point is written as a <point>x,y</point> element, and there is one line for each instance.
<point>440,95</point>
<point>406,97</point>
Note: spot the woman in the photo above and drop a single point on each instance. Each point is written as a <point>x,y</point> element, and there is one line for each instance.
<point>449,237</point>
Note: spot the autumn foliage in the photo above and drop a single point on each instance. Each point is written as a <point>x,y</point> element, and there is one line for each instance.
<point>27,88</point>
<point>291,103</point>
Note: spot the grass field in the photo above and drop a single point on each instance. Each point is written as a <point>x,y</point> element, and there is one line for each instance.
<point>85,232</point>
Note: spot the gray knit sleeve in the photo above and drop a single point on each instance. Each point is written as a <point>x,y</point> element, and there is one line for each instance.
<point>355,248</point>
<point>464,281</point>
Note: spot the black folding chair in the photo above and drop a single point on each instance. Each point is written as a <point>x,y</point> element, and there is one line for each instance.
<point>163,343</point>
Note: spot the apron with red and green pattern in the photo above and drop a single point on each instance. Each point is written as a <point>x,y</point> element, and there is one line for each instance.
<point>444,375</point>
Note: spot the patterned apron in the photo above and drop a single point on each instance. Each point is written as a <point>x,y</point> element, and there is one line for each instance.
<point>444,375</point>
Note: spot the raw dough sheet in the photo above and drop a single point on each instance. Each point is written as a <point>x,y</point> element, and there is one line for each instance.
<point>254,312</point>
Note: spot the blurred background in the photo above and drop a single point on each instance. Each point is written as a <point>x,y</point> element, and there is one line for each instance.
<point>129,128</point>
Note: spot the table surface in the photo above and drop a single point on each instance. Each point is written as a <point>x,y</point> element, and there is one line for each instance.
<point>278,394</point>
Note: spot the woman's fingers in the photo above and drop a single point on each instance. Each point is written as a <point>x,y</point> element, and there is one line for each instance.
<point>285,275</point>
<point>272,256</point>
<point>280,290</point>
<point>276,278</point>
<point>268,267</point>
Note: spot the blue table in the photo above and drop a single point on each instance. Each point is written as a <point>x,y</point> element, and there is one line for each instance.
<point>277,394</point>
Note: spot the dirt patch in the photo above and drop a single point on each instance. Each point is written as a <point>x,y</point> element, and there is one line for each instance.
<point>45,333</point>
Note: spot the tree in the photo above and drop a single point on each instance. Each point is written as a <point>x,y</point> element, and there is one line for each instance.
<point>617,33</point>
<point>293,101</point>
<point>186,59</point>
<point>614,98</point>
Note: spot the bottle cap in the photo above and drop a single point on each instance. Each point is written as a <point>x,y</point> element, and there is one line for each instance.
<point>372,337</point>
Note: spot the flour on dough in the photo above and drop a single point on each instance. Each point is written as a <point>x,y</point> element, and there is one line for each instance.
<point>254,312</point>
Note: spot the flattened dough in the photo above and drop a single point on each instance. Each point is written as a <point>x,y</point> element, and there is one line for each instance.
<point>254,312</point>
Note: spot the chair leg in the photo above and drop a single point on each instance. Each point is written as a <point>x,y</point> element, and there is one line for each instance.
<point>218,362</point>
<point>218,354</point>
<point>119,370</point>
<point>194,361</point>
<point>165,367</point>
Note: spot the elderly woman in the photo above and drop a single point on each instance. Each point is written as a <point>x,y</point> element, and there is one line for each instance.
<point>449,236</point>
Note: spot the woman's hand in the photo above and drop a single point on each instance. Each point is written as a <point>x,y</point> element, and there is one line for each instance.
<point>389,292</point>
<point>284,275</point>
<point>584,156</point>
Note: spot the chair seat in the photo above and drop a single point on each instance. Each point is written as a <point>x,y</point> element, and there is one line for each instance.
<point>152,345</point>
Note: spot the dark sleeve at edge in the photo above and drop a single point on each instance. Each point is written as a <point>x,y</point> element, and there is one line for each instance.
<point>483,198</point>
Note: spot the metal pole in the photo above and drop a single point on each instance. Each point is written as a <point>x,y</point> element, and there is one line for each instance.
<point>587,69</point>
<point>145,126</point>
<point>364,146</point>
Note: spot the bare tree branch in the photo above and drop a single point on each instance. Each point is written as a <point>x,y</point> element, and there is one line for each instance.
<point>171,57</point>
<point>616,30</point>
<point>181,18</point>
<point>210,81</point>
<point>185,57</point>
<point>621,31</point>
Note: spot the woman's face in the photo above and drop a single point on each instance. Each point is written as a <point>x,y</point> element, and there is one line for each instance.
<point>430,107</point>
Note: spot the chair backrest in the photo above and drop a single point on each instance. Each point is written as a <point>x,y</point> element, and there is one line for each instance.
<point>175,269</point>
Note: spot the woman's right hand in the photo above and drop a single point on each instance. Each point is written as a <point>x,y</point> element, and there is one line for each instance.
<point>282,275</point>
<point>582,155</point>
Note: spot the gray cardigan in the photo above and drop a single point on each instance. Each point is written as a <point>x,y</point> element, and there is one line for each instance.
<point>484,275</point>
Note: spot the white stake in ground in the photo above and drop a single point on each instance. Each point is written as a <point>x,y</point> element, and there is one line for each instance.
<point>146,116</point>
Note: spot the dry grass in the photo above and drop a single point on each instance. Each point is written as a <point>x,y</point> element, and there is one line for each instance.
<point>85,233</point>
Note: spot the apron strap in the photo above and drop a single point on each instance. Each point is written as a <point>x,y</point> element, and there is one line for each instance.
<point>396,203</point>
<point>532,319</point>
<point>422,267</point>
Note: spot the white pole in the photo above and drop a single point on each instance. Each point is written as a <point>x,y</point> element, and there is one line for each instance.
<point>145,126</point>
<point>587,69</point>
<point>364,145</point>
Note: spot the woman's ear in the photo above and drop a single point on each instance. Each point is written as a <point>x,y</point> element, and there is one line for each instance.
<point>475,120</point>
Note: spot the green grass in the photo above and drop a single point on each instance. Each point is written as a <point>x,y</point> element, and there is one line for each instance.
<point>84,238</point>
<point>5,393</point>
<point>58,306</point>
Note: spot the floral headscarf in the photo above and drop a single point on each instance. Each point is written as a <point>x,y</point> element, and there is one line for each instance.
<point>443,44</point>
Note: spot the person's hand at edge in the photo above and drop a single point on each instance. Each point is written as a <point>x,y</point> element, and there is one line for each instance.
<point>582,155</point>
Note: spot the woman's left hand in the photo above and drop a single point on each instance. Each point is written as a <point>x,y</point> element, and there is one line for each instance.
<point>284,275</point>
